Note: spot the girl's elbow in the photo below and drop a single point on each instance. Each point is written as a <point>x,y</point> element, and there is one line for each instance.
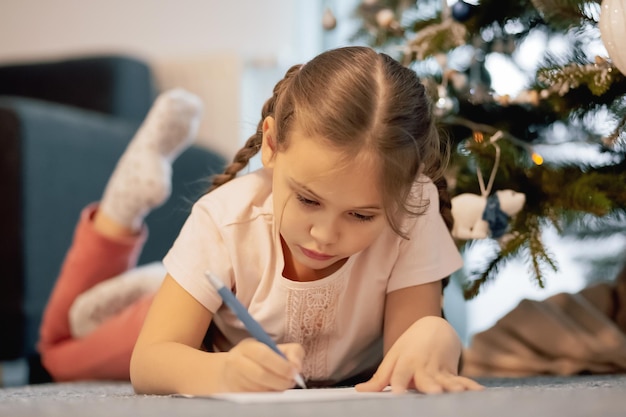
<point>138,372</point>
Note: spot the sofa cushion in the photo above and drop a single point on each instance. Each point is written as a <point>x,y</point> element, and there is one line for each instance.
<point>116,85</point>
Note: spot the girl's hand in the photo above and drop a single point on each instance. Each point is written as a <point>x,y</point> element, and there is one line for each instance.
<point>253,366</point>
<point>425,357</point>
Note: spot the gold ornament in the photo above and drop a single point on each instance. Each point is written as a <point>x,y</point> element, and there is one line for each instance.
<point>613,31</point>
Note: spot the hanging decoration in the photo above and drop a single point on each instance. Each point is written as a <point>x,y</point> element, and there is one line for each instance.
<point>329,21</point>
<point>386,19</point>
<point>445,104</point>
<point>462,11</point>
<point>486,215</point>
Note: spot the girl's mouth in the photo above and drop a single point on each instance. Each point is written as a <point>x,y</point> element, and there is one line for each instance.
<point>315,255</point>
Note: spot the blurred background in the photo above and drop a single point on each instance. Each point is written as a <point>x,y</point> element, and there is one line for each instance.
<point>224,50</point>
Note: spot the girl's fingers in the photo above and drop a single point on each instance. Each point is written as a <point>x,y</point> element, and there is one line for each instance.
<point>454,383</point>
<point>262,368</point>
<point>470,384</point>
<point>401,377</point>
<point>376,384</point>
<point>294,353</point>
<point>380,380</point>
<point>445,382</point>
<point>427,384</point>
<point>267,359</point>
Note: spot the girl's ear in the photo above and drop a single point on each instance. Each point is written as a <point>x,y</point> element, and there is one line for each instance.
<point>268,147</point>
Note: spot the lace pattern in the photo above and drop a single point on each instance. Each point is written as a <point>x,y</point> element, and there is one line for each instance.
<point>311,322</point>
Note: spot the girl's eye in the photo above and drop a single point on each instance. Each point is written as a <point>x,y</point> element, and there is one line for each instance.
<point>305,201</point>
<point>362,217</point>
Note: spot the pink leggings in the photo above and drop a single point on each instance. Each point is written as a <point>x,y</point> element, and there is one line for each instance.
<point>105,353</point>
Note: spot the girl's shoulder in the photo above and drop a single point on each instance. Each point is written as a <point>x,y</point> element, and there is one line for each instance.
<point>240,198</point>
<point>424,193</point>
<point>422,205</point>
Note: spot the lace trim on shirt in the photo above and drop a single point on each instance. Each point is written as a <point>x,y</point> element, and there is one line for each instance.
<point>311,322</point>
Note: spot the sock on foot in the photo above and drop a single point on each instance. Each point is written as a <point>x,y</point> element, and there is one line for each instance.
<point>110,297</point>
<point>141,180</point>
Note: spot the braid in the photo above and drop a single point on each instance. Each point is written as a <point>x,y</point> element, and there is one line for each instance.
<point>445,202</point>
<point>254,142</point>
<point>445,209</point>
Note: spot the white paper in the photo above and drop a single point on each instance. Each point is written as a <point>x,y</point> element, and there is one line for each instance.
<point>300,395</point>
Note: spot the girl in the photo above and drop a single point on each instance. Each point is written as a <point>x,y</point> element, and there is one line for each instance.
<point>336,246</point>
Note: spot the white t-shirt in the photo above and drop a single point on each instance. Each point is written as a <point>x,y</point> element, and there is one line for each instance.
<point>338,319</point>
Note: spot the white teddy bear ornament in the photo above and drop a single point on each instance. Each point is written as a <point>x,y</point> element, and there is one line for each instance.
<point>478,217</point>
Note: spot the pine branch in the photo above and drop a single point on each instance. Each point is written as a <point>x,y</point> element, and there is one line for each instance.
<point>539,258</point>
<point>499,12</point>
<point>583,189</point>
<point>614,138</point>
<point>436,38</point>
<point>589,227</point>
<point>565,14</point>
<point>472,288</point>
<point>597,77</point>
<point>491,270</point>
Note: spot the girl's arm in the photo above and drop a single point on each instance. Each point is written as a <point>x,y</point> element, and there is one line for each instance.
<point>422,350</point>
<point>405,306</point>
<point>167,357</point>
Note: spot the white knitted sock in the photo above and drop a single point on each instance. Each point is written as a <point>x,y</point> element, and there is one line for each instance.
<point>141,180</point>
<point>110,297</point>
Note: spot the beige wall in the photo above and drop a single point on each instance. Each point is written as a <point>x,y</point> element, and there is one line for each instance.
<point>33,28</point>
<point>202,45</point>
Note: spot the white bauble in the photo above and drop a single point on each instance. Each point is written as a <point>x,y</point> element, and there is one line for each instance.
<point>385,18</point>
<point>613,31</point>
<point>329,22</point>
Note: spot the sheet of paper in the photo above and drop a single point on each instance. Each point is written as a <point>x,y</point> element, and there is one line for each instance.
<point>299,395</point>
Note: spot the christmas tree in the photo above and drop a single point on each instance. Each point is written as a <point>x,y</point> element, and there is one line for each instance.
<point>573,97</point>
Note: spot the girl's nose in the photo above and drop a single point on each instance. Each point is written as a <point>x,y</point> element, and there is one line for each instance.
<point>324,231</point>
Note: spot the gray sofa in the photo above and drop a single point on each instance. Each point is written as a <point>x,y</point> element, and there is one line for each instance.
<point>63,125</point>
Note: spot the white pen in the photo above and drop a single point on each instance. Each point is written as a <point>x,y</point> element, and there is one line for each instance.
<point>251,324</point>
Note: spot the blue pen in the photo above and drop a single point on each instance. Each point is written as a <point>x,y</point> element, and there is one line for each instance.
<point>242,314</point>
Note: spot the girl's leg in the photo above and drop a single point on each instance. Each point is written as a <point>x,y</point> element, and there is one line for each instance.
<point>92,258</point>
<point>108,240</point>
<point>103,354</point>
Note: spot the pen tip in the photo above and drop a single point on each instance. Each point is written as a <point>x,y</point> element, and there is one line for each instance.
<point>300,381</point>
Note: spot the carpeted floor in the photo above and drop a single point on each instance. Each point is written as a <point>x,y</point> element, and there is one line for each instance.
<point>592,396</point>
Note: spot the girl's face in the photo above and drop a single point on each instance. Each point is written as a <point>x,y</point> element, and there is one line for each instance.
<point>328,208</point>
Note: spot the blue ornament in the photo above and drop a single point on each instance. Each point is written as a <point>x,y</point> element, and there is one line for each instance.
<point>462,11</point>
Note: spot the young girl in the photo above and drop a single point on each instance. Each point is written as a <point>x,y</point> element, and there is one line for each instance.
<point>336,247</point>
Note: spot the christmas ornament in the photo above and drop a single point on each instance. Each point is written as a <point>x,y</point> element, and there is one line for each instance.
<point>329,22</point>
<point>462,11</point>
<point>385,18</point>
<point>481,216</point>
<point>445,105</point>
<point>613,31</point>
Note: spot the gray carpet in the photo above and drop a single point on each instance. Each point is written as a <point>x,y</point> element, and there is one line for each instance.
<point>527,397</point>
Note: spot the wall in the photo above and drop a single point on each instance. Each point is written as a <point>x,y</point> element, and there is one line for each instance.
<point>205,46</point>
<point>155,28</point>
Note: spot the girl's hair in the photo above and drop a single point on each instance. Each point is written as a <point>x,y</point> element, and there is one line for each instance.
<point>359,99</point>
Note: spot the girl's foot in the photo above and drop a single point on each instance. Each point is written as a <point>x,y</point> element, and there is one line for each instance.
<point>141,180</point>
